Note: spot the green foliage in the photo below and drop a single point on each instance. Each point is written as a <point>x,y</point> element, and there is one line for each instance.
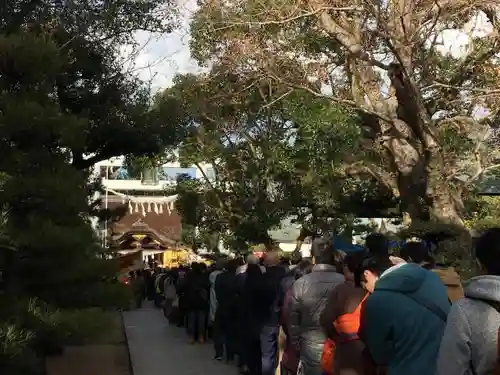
<point>428,121</point>
<point>275,154</point>
<point>453,248</point>
<point>79,327</point>
<point>16,356</point>
<point>31,329</point>
<point>66,102</point>
<point>484,213</point>
<point>238,139</point>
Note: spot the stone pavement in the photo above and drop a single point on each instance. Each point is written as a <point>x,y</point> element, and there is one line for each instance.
<point>156,348</point>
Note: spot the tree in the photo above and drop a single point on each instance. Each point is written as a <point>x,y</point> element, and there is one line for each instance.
<point>237,136</point>
<point>90,83</point>
<point>268,156</point>
<point>65,103</point>
<point>46,197</point>
<point>484,210</point>
<point>428,116</point>
<point>317,175</point>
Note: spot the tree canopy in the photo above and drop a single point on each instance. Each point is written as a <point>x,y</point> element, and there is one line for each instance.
<point>427,114</point>
<point>273,155</point>
<point>65,103</point>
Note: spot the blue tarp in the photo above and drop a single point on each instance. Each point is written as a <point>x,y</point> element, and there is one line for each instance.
<point>346,247</point>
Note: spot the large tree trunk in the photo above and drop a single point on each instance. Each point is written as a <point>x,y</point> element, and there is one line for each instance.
<point>401,125</point>
<point>444,207</point>
<point>425,194</point>
<point>440,212</point>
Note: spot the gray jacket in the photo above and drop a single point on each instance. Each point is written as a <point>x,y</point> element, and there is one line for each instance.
<point>309,295</point>
<point>213,298</point>
<point>469,344</point>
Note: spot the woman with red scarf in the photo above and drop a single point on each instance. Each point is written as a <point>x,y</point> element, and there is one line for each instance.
<point>340,321</point>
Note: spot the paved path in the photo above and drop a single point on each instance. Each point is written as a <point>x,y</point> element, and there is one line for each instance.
<point>156,348</point>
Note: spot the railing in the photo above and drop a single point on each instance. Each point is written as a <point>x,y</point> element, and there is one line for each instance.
<point>150,176</point>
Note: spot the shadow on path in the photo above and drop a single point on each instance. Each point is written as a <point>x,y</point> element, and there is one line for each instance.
<point>156,348</point>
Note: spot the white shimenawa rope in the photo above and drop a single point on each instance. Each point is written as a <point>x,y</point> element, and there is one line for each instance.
<point>146,204</point>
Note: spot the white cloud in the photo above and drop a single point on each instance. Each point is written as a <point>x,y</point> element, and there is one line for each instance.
<point>158,58</point>
<point>457,42</point>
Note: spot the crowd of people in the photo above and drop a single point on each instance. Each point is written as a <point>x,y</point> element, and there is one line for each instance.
<point>364,313</point>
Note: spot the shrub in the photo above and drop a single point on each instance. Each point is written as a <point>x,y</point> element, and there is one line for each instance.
<point>78,327</point>
<point>16,354</point>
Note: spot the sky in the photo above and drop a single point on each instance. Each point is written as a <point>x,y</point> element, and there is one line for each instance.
<point>158,58</point>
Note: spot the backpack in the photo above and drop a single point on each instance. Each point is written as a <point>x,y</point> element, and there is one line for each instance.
<point>161,283</point>
<point>451,281</point>
<point>169,288</point>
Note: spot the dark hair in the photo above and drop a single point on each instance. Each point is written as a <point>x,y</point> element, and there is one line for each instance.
<point>323,251</point>
<point>488,251</point>
<point>253,273</point>
<point>171,274</point>
<point>232,265</point>
<point>301,269</point>
<point>196,268</point>
<point>417,252</point>
<point>376,265</point>
<point>377,244</point>
<point>354,263</point>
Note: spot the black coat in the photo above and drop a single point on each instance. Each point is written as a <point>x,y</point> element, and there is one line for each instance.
<point>226,291</point>
<point>249,302</point>
<point>269,303</point>
<point>197,291</point>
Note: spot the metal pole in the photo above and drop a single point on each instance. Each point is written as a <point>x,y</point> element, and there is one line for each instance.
<point>106,220</point>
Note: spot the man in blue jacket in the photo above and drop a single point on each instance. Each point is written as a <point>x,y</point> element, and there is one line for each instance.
<point>403,320</point>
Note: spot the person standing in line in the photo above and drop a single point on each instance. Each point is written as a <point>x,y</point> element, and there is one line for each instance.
<point>403,319</point>
<point>309,295</point>
<point>419,253</point>
<point>243,291</point>
<point>377,246</point>
<point>341,319</point>
<point>213,305</point>
<point>139,288</point>
<point>269,309</point>
<point>169,292</point>
<point>180,286</point>
<point>470,341</point>
<point>149,284</point>
<point>196,291</point>
<point>250,321</point>
<point>290,358</point>
<point>225,324</point>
